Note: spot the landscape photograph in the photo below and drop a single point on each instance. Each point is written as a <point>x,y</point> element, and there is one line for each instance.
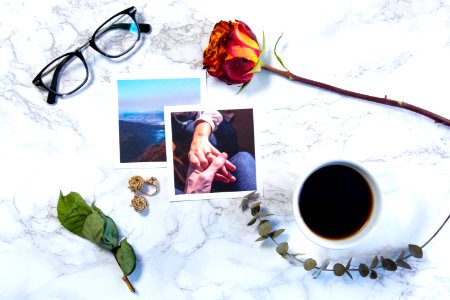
<point>141,114</point>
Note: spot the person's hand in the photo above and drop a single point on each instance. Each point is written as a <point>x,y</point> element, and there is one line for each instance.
<point>200,180</point>
<point>202,152</point>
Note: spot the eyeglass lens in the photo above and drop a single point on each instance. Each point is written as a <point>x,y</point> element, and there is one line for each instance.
<point>114,38</point>
<point>71,74</point>
<point>117,36</point>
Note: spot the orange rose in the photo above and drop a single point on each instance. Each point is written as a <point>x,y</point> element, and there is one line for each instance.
<point>232,52</point>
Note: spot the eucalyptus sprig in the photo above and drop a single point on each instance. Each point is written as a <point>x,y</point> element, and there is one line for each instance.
<point>266,231</point>
<point>91,223</point>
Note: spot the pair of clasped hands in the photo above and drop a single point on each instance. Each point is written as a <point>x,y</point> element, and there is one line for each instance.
<point>206,163</point>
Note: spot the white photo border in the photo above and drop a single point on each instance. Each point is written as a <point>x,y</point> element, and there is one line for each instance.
<point>146,76</point>
<point>168,110</point>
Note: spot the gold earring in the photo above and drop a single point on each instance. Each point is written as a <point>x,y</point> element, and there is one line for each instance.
<point>139,203</point>
<point>148,187</point>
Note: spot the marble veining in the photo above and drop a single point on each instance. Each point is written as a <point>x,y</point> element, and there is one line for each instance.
<point>203,249</point>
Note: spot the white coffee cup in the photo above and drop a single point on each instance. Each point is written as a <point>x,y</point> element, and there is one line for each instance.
<point>369,221</point>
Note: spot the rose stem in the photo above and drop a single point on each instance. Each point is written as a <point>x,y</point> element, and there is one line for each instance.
<point>128,283</point>
<point>385,100</point>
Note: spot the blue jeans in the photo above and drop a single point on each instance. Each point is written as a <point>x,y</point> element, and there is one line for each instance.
<point>245,174</point>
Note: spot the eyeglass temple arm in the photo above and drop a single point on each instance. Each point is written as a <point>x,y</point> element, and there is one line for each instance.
<point>143,27</point>
<point>51,99</point>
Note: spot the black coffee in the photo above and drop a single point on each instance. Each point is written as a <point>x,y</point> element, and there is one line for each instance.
<point>335,202</point>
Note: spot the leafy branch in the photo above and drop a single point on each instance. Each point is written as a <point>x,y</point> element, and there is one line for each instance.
<point>266,231</point>
<point>91,223</point>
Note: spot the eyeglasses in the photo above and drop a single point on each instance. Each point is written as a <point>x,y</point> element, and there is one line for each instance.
<point>114,38</point>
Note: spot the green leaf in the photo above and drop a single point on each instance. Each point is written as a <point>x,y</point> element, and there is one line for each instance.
<point>243,87</point>
<point>388,264</point>
<point>401,256</point>
<point>348,264</point>
<point>309,264</point>
<point>72,212</point>
<point>93,228</point>
<point>264,228</point>
<point>260,215</point>
<point>349,274</point>
<point>373,274</point>
<point>276,233</point>
<point>255,208</point>
<point>110,238</point>
<point>276,55</point>
<point>374,262</point>
<point>126,258</point>
<point>322,267</point>
<point>263,49</point>
<point>339,269</point>
<point>363,270</point>
<point>262,238</point>
<point>415,251</point>
<point>256,68</point>
<point>252,221</point>
<point>283,248</point>
<point>403,264</point>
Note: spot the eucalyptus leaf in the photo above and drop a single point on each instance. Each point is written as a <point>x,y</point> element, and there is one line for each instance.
<point>72,212</point>
<point>401,256</point>
<point>255,208</point>
<point>349,274</point>
<point>349,263</point>
<point>260,215</point>
<point>126,258</point>
<point>322,267</point>
<point>388,264</point>
<point>262,238</point>
<point>264,228</point>
<point>339,269</point>
<point>283,248</point>
<point>252,221</point>
<point>309,264</point>
<point>363,270</point>
<point>276,233</point>
<point>374,263</point>
<point>93,228</point>
<point>403,264</point>
<point>415,251</point>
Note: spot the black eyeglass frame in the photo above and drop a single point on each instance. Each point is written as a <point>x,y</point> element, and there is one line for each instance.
<point>38,82</point>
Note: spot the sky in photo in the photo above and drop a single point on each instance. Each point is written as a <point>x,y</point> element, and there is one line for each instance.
<point>142,95</point>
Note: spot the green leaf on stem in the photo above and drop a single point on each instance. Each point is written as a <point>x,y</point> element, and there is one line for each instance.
<point>339,269</point>
<point>277,56</point>
<point>252,221</point>
<point>264,228</point>
<point>388,264</point>
<point>276,233</point>
<point>373,274</point>
<point>93,228</point>
<point>255,208</point>
<point>72,212</point>
<point>283,248</point>
<point>322,267</point>
<point>374,263</point>
<point>363,270</point>
<point>403,264</point>
<point>309,264</point>
<point>125,256</point>
<point>415,251</point>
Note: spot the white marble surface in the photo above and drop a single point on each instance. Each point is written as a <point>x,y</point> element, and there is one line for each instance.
<point>204,250</point>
